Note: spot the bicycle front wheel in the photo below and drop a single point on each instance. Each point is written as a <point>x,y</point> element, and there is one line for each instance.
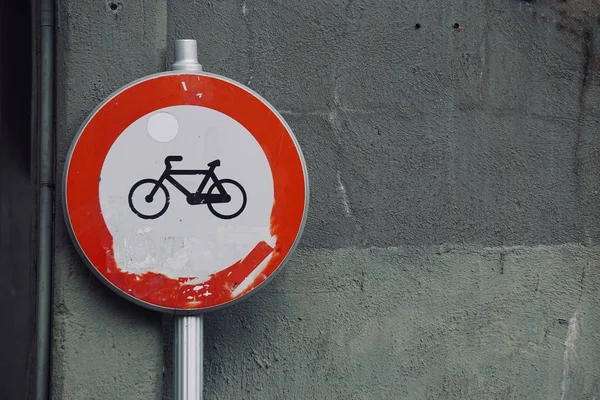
<point>236,203</point>
<point>146,206</point>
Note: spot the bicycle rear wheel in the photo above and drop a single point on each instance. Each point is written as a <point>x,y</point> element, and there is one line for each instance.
<point>234,206</point>
<point>143,205</point>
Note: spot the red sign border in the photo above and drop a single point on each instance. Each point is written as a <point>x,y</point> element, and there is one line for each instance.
<point>193,99</point>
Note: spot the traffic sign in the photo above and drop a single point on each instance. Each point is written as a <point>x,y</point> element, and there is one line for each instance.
<point>185,191</point>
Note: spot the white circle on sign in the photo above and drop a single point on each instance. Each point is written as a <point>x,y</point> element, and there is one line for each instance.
<point>168,230</point>
<point>162,127</point>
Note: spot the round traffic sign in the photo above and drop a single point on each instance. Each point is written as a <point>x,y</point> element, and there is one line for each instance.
<point>185,192</point>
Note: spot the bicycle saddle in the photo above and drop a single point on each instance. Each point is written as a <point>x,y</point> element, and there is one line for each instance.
<point>169,159</point>
<point>215,163</point>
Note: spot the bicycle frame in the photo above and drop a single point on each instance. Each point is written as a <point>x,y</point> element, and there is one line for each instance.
<point>196,197</point>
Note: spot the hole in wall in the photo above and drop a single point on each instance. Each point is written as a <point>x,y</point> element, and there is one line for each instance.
<point>114,6</point>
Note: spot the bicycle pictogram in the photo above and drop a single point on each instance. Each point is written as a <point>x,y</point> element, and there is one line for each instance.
<point>153,194</point>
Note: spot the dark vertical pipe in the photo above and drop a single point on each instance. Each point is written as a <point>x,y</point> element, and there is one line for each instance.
<point>46,201</point>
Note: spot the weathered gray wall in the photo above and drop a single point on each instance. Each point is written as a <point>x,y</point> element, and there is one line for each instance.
<point>453,244</point>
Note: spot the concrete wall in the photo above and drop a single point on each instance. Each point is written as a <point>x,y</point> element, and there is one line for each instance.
<point>453,244</point>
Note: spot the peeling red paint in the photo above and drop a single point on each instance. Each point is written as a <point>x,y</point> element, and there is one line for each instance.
<point>174,293</point>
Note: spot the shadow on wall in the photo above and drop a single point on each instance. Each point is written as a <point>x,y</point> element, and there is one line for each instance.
<point>17,204</point>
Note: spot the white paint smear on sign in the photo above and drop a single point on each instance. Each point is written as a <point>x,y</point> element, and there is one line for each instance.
<point>187,240</point>
<point>162,127</point>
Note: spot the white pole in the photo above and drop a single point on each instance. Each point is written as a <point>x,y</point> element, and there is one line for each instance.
<point>186,56</point>
<point>188,357</point>
<point>189,338</point>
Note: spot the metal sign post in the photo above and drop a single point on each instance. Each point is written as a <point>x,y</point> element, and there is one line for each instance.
<point>188,356</point>
<point>184,192</point>
<point>188,352</point>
